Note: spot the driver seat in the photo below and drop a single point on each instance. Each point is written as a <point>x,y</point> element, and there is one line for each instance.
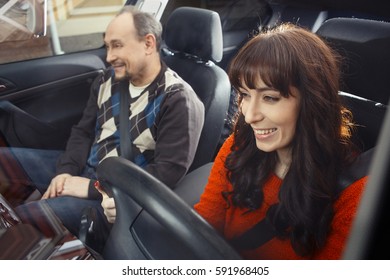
<point>364,45</point>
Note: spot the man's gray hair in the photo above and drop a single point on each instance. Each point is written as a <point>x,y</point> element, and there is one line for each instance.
<point>145,23</point>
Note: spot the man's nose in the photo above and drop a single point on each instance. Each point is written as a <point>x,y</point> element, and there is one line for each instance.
<point>110,57</point>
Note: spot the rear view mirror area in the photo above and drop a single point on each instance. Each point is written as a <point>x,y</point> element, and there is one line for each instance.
<point>22,19</point>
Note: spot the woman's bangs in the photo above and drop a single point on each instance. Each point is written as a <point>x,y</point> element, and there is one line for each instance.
<point>263,58</point>
<point>247,70</point>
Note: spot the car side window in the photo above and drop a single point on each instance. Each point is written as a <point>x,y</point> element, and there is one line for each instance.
<point>69,26</point>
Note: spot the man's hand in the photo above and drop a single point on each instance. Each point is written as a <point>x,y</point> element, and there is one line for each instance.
<point>76,186</point>
<point>108,204</point>
<point>56,186</point>
<point>65,184</point>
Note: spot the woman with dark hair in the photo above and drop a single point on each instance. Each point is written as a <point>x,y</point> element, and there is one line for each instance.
<point>290,143</point>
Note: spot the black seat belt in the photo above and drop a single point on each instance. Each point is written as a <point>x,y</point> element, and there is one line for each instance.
<point>263,231</point>
<point>91,231</point>
<point>124,122</point>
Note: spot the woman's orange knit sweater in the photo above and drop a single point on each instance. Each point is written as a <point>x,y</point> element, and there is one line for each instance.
<point>232,222</point>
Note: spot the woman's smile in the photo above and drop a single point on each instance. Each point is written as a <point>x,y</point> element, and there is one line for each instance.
<point>262,134</point>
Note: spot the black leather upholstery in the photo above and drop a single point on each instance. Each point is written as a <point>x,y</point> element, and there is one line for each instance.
<point>364,46</point>
<point>191,187</point>
<point>195,31</point>
<point>193,38</point>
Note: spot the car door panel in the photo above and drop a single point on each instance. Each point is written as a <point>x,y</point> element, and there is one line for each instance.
<point>45,97</point>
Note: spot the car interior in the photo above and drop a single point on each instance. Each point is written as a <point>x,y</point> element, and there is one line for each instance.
<point>40,100</point>
<point>361,42</point>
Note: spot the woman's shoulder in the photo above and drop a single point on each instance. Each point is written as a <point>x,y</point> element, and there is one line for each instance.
<point>352,194</point>
<point>225,149</point>
<point>227,145</point>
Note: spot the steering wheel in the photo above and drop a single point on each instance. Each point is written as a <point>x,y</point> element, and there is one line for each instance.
<point>185,228</point>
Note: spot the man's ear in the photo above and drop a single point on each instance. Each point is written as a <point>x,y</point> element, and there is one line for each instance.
<point>150,43</point>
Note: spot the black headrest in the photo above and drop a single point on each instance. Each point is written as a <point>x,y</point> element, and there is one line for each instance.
<point>365,46</point>
<point>195,31</point>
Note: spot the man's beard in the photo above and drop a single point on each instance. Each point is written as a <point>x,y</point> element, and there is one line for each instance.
<point>126,77</point>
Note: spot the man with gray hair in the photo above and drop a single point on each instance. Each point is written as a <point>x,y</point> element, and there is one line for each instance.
<point>165,120</point>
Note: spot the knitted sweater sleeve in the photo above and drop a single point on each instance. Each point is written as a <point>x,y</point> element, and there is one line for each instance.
<point>74,158</point>
<point>180,123</point>
<point>212,206</point>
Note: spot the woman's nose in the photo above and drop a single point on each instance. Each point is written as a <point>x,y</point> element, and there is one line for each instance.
<point>253,112</point>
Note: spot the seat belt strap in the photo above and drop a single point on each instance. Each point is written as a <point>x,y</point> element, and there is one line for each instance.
<point>263,231</point>
<point>358,169</point>
<point>124,121</point>
<point>258,235</point>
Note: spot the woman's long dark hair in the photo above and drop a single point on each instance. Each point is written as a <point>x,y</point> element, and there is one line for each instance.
<point>285,57</point>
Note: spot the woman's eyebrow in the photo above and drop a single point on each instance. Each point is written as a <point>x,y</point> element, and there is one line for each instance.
<point>262,89</point>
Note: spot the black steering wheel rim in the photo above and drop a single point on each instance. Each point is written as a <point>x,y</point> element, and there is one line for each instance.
<point>166,207</point>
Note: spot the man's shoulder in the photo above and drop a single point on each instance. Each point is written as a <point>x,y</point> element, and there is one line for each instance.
<point>173,80</point>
